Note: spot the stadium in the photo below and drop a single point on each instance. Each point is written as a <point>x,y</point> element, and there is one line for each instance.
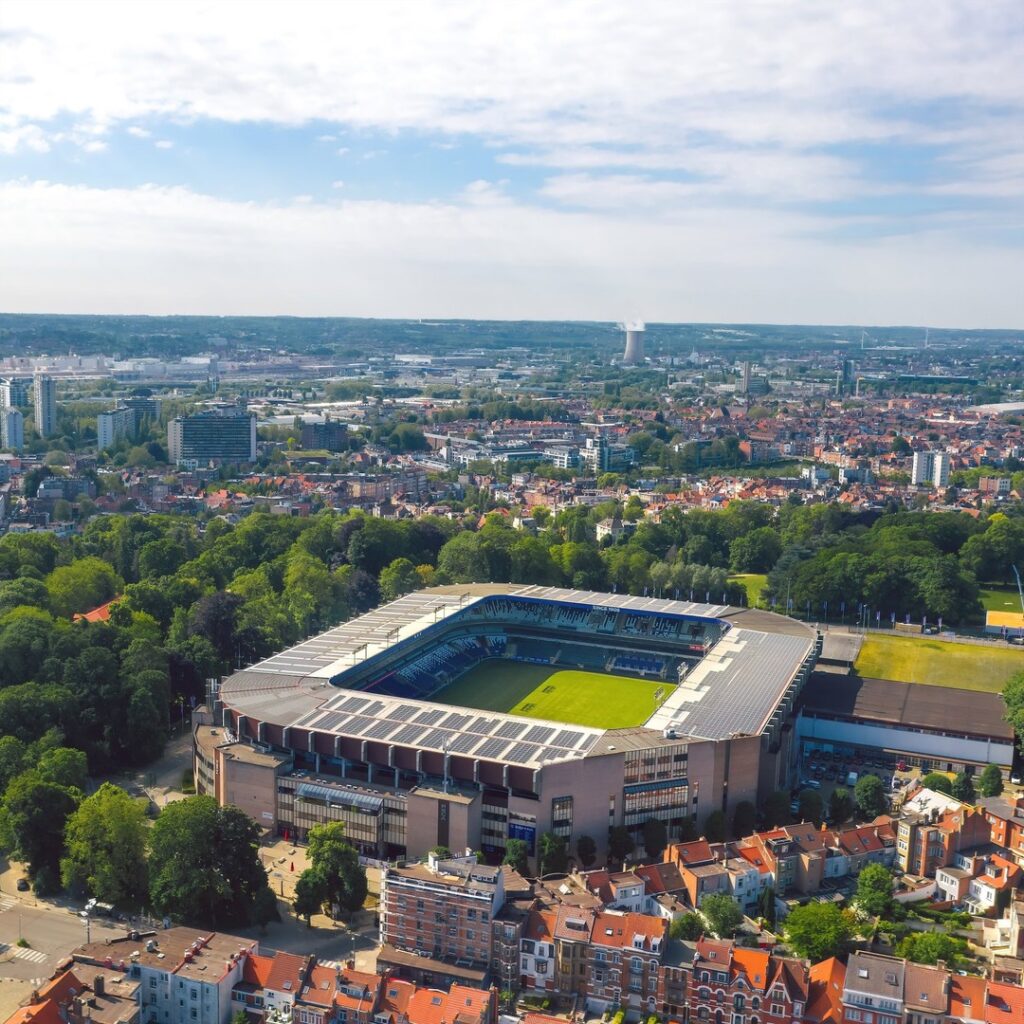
<point>465,716</point>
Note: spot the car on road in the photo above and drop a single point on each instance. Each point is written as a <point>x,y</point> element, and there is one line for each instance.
<point>23,885</point>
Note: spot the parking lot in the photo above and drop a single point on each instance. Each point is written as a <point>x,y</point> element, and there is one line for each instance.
<point>825,771</point>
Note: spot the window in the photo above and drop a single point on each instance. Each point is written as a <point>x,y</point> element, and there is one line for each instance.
<point>194,1013</point>
<point>738,1002</point>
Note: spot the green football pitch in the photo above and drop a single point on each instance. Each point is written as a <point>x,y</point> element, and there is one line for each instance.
<point>558,695</point>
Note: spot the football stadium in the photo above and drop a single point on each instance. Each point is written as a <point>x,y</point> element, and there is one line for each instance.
<point>466,716</point>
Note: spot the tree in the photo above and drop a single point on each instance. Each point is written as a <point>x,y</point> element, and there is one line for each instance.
<point>874,890</point>
<point>586,850</point>
<point>775,809</point>
<point>32,820</point>
<point>963,787</point>
<point>336,861</point>
<point>744,819</point>
<point>715,825</point>
<point>64,766</point>
<point>990,782</point>
<point>517,854</point>
<point>553,854</point>
<point>655,837</point>
<point>398,578</point>
<point>1013,697</point>
<point>840,805</point>
<point>869,795</point>
<point>81,586</point>
<point>766,906</point>
<point>688,927</point>
<point>938,783</point>
<point>265,908</point>
<point>931,947</point>
<point>620,843</point>
<point>817,931</point>
<point>106,848</point>
<point>722,914</point>
<point>310,895</point>
<point>204,866</point>
<point>812,806</point>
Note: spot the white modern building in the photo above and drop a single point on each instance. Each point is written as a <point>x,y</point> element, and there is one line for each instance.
<point>44,401</point>
<point>930,469</point>
<point>114,425</point>
<point>12,429</point>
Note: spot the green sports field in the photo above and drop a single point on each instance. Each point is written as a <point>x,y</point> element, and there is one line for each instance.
<point>1000,599</point>
<point>558,695</point>
<point>909,659</point>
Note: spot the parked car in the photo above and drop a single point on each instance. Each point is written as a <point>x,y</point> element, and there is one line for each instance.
<point>23,885</point>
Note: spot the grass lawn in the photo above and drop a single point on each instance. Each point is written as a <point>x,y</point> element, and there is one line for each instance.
<point>754,583</point>
<point>563,695</point>
<point>908,659</point>
<point>1000,599</point>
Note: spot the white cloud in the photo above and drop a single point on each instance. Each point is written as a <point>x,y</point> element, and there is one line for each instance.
<point>164,144</point>
<point>119,248</point>
<point>137,132</point>
<point>337,183</point>
<point>341,150</point>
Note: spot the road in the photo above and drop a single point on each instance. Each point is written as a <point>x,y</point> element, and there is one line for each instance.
<point>50,931</point>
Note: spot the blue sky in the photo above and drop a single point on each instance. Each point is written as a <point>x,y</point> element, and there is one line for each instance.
<point>742,162</point>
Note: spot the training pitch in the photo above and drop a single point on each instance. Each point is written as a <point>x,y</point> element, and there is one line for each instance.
<point>558,695</point>
<point>908,659</point>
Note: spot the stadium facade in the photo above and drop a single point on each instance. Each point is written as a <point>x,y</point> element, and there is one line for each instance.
<point>352,725</point>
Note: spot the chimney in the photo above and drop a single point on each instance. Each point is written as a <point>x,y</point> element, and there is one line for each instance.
<point>98,985</point>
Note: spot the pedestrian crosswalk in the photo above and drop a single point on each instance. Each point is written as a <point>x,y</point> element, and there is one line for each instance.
<point>6,903</point>
<point>34,956</point>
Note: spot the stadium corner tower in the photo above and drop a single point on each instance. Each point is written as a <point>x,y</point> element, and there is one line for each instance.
<point>466,716</point>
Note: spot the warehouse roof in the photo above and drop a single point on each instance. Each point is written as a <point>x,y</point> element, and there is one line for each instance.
<point>916,705</point>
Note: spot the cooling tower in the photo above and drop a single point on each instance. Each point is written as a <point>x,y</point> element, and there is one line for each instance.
<point>634,354</point>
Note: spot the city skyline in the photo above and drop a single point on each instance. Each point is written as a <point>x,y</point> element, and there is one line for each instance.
<point>759,164</point>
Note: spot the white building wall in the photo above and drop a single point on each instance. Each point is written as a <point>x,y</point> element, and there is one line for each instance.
<point>924,744</point>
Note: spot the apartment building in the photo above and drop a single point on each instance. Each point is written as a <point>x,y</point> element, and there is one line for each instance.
<point>212,437</point>
<point>113,426</point>
<point>435,918</point>
<point>928,840</point>
<point>182,978</point>
<point>44,403</point>
<point>12,429</point>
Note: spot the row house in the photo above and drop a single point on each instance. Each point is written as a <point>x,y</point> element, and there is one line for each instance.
<point>733,985</point>
<point>624,961</point>
<point>982,882</point>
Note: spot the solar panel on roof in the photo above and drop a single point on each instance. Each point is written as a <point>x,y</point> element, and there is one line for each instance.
<point>357,725</point>
<point>407,734</point>
<point>431,717</point>
<point>491,748</point>
<point>455,721</point>
<point>539,734</point>
<point>522,752</point>
<point>511,730</point>
<point>464,743</point>
<point>482,725</point>
<point>403,712</point>
<point>374,708</point>
<point>435,738</point>
<point>330,721</point>
<point>566,738</point>
<point>380,729</point>
<point>353,704</point>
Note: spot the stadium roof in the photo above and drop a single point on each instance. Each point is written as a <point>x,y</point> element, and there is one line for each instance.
<point>733,691</point>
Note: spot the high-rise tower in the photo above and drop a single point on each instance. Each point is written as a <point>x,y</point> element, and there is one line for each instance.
<point>634,354</point>
<point>44,402</point>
